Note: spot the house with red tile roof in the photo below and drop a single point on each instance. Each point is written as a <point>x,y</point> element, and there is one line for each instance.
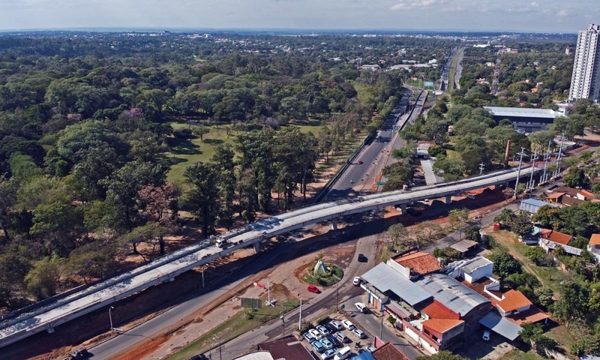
<point>550,240</point>
<point>389,351</point>
<point>513,302</point>
<point>594,246</point>
<point>417,263</point>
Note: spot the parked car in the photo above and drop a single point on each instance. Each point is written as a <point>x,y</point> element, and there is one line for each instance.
<point>323,330</point>
<point>328,344</point>
<point>315,334</point>
<point>318,346</point>
<point>341,337</point>
<point>330,327</point>
<point>343,353</point>
<point>348,324</point>
<point>328,354</point>
<point>334,341</point>
<point>486,335</point>
<point>308,336</point>
<point>370,348</point>
<point>336,324</point>
<point>359,333</point>
<point>313,289</point>
<point>362,258</point>
<point>361,307</point>
<point>356,281</point>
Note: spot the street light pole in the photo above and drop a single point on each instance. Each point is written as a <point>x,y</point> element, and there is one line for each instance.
<point>110,309</point>
<point>300,317</point>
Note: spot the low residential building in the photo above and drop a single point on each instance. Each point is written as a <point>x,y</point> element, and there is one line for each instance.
<point>513,302</point>
<point>389,351</point>
<point>569,196</point>
<point>472,270</point>
<point>550,239</point>
<point>594,246</point>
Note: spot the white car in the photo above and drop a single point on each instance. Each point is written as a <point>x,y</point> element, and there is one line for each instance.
<point>315,333</point>
<point>486,335</point>
<point>359,333</point>
<point>323,330</point>
<point>336,324</point>
<point>356,281</point>
<point>348,325</point>
<point>361,307</point>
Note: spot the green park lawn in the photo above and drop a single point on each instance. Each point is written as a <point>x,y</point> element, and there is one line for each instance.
<point>184,153</point>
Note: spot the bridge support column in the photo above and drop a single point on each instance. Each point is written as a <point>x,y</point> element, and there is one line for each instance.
<point>333,225</point>
<point>403,209</point>
<point>257,248</point>
<point>448,199</point>
<point>50,330</point>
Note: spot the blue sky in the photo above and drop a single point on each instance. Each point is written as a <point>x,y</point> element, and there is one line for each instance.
<point>503,15</point>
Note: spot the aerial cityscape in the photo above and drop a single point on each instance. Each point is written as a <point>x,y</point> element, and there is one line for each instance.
<point>297,180</point>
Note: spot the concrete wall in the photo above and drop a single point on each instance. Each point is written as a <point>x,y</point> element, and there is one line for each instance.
<point>399,268</point>
<point>480,273</point>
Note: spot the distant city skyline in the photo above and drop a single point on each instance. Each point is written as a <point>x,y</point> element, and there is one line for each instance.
<point>441,15</point>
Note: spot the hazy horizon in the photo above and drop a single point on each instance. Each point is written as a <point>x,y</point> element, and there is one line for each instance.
<point>541,16</point>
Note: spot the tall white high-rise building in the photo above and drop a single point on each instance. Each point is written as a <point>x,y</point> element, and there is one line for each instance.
<point>585,82</point>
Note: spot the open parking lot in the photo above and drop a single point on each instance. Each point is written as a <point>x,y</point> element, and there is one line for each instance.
<point>337,338</point>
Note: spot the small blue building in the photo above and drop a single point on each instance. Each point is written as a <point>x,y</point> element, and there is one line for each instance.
<point>532,206</point>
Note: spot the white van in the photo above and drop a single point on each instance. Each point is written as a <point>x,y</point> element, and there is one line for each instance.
<point>343,353</point>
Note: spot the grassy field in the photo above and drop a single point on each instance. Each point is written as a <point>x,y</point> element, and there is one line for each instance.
<point>233,327</point>
<point>187,152</point>
<point>549,276</point>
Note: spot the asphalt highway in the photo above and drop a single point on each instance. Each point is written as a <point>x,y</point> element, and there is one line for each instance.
<point>364,166</point>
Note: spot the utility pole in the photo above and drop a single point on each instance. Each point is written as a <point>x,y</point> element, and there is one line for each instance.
<point>521,154</point>
<point>481,168</point>
<point>559,156</point>
<point>531,181</point>
<point>546,158</point>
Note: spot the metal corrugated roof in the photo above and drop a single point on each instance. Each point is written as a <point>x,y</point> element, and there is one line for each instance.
<point>536,202</point>
<point>500,325</point>
<point>522,112</point>
<point>475,263</point>
<point>454,295</point>
<point>384,278</point>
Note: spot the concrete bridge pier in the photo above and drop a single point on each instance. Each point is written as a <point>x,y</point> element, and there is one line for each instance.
<point>257,247</point>
<point>448,199</point>
<point>333,225</point>
<point>402,208</point>
<point>50,330</point>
